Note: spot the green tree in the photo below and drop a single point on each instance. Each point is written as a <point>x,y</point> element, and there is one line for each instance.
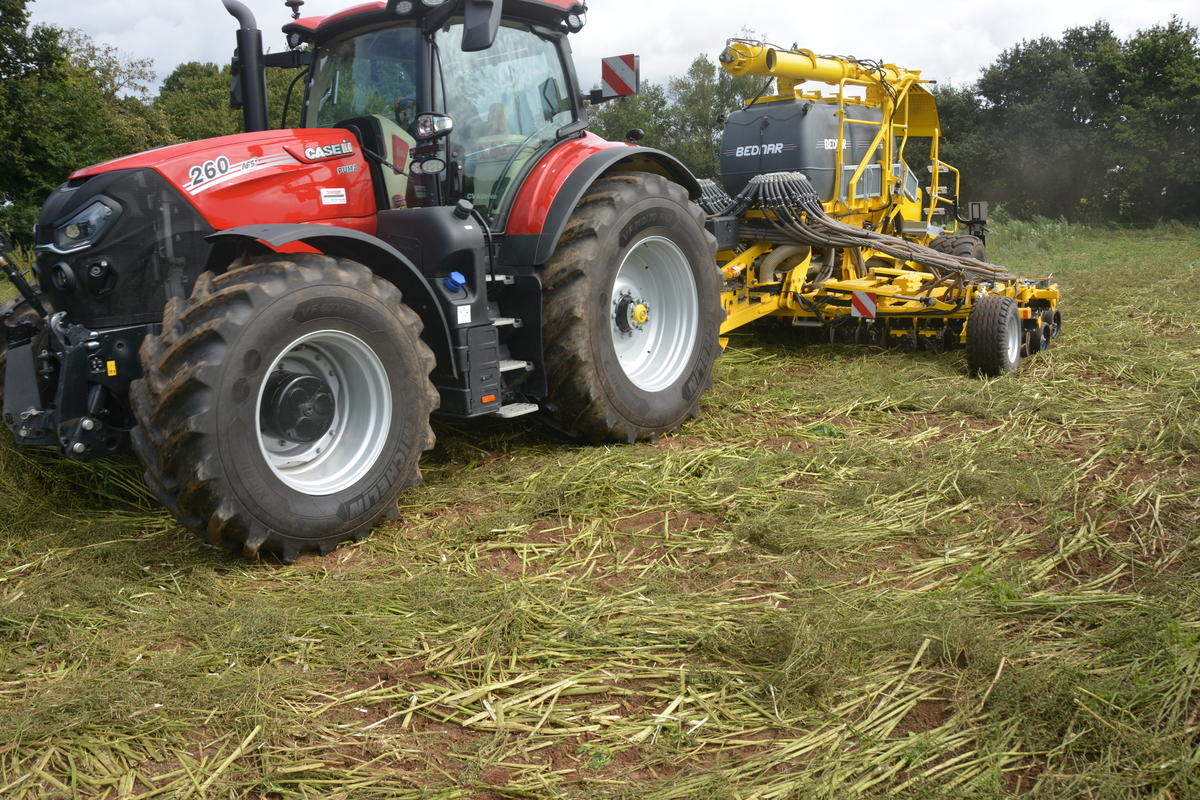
<point>31,63</point>
<point>65,103</point>
<point>1088,126</point>
<point>194,99</point>
<point>133,124</point>
<point>698,101</point>
<point>648,110</point>
<point>1153,146</point>
<point>1039,122</point>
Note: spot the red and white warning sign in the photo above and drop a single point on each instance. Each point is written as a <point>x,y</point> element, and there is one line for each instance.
<point>863,304</point>
<point>619,75</point>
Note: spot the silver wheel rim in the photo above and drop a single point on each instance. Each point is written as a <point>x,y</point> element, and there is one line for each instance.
<point>361,421</point>
<point>655,314</point>
<point>1013,345</point>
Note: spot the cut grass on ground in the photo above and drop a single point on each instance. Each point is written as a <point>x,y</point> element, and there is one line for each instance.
<point>858,574</point>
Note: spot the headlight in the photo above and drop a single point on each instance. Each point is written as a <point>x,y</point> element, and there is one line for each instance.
<point>576,17</point>
<point>84,228</point>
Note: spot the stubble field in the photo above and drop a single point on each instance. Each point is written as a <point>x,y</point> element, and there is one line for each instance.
<point>859,573</point>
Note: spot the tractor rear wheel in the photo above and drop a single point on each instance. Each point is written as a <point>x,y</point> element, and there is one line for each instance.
<point>994,335</point>
<point>961,245</point>
<point>285,405</point>
<point>632,311</point>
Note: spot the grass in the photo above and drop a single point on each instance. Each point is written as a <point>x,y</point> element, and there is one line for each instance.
<point>858,574</point>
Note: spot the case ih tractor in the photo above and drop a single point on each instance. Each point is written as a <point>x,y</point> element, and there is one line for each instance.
<point>270,319</point>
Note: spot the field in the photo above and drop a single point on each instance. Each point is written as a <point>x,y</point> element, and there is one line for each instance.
<point>858,573</point>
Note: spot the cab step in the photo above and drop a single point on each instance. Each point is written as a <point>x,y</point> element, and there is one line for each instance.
<point>516,410</point>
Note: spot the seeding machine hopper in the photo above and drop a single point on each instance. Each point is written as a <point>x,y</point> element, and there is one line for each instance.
<point>822,223</point>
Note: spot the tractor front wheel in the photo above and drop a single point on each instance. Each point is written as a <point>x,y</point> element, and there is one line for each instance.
<point>632,311</point>
<point>285,405</point>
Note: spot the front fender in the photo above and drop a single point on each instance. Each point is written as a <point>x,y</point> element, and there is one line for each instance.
<point>544,203</point>
<point>382,259</point>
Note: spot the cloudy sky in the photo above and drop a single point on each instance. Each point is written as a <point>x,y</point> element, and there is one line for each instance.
<point>948,41</point>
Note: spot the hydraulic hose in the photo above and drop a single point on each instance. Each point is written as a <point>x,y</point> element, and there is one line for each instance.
<point>793,209</point>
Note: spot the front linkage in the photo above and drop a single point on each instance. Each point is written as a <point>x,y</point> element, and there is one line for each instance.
<point>64,384</point>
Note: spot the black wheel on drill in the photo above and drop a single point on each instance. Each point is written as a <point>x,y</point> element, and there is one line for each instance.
<point>994,335</point>
<point>1053,318</point>
<point>632,311</point>
<point>285,405</point>
<point>961,245</point>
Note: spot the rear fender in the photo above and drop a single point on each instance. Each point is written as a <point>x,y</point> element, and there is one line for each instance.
<point>544,204</point>
<point>383,259</point>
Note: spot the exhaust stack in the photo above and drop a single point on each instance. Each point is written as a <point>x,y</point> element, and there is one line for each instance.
<point>249,78</point>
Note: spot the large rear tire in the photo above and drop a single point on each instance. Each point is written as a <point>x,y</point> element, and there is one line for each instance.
<point>632,311</point>
<point>994,335</point>
<point>285,405</point>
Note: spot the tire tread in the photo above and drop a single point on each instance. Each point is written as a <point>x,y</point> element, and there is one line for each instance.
<point>173,400</point>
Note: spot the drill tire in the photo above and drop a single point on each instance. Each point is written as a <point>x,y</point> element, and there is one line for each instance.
<point>632,311</point>
<point>994,336</point>
<point>961,245</point>
<point>209,397</point>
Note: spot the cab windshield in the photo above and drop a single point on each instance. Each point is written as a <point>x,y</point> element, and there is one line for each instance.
<point>507,102</point>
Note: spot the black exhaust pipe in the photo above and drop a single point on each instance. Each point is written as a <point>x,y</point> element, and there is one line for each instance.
<point>249,74</point>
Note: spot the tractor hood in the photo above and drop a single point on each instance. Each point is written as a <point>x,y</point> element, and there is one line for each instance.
<point>308,175</point>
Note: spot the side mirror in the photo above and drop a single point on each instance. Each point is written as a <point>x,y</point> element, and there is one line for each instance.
<point>434,126</point>
<point>5,245</point>
<point>481,21</point>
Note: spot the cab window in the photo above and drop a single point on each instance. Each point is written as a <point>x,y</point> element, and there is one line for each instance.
<point>365,74</point>
<point>507,102</point>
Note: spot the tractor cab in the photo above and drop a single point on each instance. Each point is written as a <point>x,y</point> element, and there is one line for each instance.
<point>448,107</point>
<point>269,319</point>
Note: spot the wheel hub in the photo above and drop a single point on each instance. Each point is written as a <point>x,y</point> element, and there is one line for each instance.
<point>655,314</point>
<point>343,383</point>
<point>297,407</point>
<point>631,314</point>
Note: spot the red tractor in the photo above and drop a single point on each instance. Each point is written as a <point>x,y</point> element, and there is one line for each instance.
<point>269,319</point>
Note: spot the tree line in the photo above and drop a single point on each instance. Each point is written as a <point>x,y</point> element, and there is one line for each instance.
<point>1087,126</point>
<point>67,102</point>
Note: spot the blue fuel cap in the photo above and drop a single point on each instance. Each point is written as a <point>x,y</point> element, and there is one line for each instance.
<point>456,281</point>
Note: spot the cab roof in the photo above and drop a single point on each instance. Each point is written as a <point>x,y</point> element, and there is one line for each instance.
<point>544,11</point>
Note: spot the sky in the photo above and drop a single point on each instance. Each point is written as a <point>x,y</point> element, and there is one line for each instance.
<point>947,41</point>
